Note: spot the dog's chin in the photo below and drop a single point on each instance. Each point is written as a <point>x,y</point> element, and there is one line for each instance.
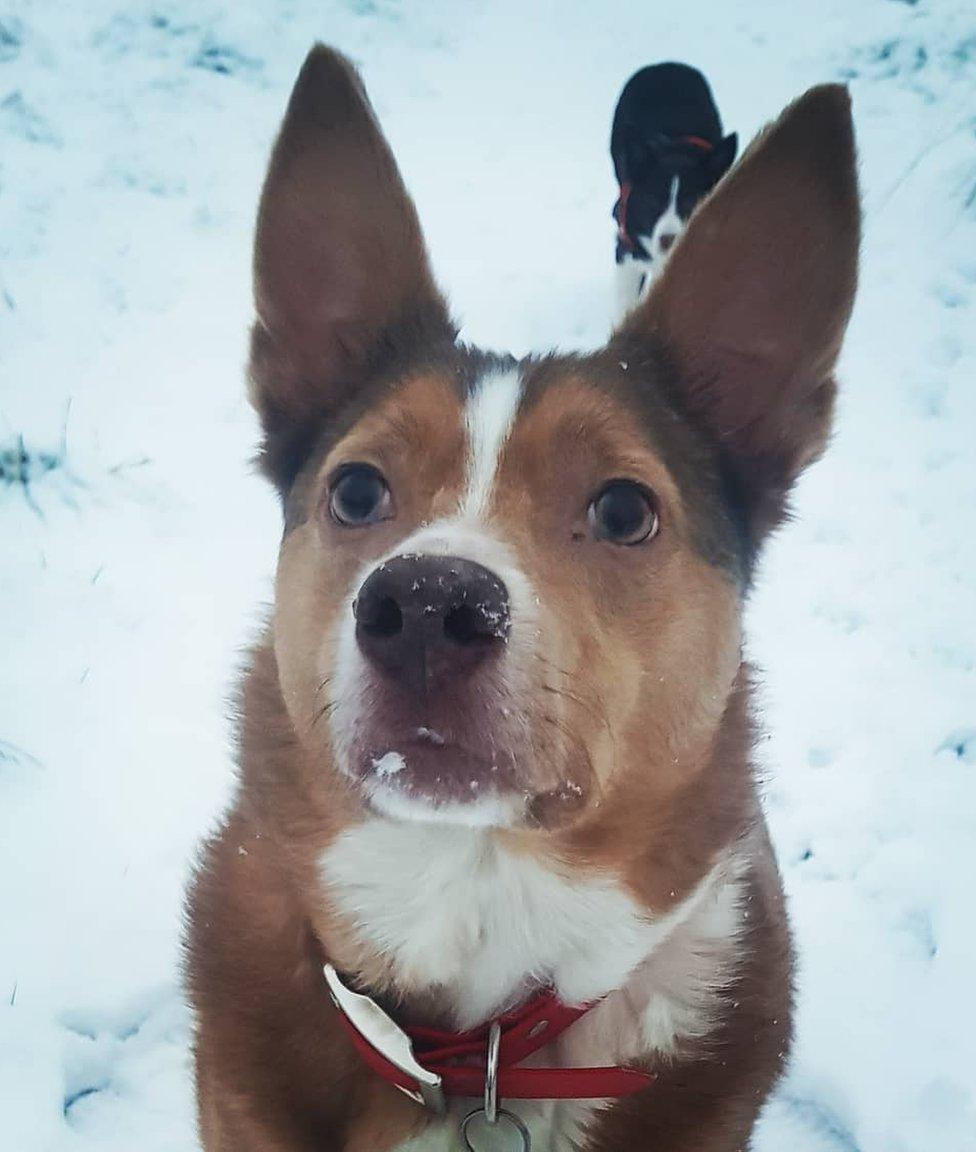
<point>392,790</point>
<point>393,802</point>
<point>443,776</point>
<point>428,778</point>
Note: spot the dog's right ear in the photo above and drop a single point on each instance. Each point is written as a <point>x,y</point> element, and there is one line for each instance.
<point>722,156</point>
<point>340,268</point>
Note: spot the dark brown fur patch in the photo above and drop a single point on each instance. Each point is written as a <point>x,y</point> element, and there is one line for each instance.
<point>642,382</point>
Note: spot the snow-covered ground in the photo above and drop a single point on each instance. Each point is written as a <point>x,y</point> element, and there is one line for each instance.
<point>137,558</point>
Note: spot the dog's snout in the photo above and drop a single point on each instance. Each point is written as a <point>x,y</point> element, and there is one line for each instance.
<point>425,618</point>
<point>666,241</point>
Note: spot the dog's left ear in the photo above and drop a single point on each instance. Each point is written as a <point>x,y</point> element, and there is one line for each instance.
<point>722,156</point>
<point>746,321</point>
<point>340,266</point>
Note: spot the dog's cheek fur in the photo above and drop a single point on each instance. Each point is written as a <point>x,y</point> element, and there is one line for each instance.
<point>414,433</point>
<point>645,694</point>
<point>643,685</point>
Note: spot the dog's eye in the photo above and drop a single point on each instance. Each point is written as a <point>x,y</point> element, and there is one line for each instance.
<point>359,495</point>
<point>623,513</point>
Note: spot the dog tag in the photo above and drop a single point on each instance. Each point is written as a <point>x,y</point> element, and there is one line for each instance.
<point>507,1134</point>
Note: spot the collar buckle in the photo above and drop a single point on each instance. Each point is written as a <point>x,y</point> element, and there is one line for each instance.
<point>389,1039</point>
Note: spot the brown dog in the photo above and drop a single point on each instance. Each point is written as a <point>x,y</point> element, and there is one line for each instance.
<point>495,751</point>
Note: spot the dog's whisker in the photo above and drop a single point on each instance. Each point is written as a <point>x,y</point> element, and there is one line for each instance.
<point>325,710</point>
<point>575,739</point>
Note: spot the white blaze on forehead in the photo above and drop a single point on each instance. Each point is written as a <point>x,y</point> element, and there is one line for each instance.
<point>673,202</point>
<point>488,418</point>
<point>670,222</point>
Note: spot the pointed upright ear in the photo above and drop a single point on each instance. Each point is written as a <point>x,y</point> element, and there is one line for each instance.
<point>340,267</point>
<point>749,313</point>
<point>722,156</point>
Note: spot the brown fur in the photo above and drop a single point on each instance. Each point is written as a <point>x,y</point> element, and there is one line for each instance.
<point>635,738</point>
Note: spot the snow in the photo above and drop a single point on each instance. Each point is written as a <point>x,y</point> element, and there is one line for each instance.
<point>389,764</point>
<point>139,556</point>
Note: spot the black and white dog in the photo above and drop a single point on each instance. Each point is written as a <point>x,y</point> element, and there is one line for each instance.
<point>668,153</point>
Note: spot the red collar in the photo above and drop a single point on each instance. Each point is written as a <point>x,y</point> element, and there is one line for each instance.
<point>697,142</point>
<point>430,1064</point>
<point>621,212</point>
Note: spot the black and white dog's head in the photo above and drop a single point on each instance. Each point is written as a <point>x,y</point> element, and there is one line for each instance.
<point>668,153</point>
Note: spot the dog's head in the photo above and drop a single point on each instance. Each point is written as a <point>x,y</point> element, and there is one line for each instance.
<point>669,179</point>
<point>509,591</point>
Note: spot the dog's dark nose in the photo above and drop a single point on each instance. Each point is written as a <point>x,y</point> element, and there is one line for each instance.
<point>427,619</point>
<point>666,241</point>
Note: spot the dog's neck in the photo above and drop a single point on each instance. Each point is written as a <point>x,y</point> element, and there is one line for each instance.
<point>465,929</point>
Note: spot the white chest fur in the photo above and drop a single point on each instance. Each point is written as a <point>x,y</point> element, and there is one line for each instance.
<point>482,927</point>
